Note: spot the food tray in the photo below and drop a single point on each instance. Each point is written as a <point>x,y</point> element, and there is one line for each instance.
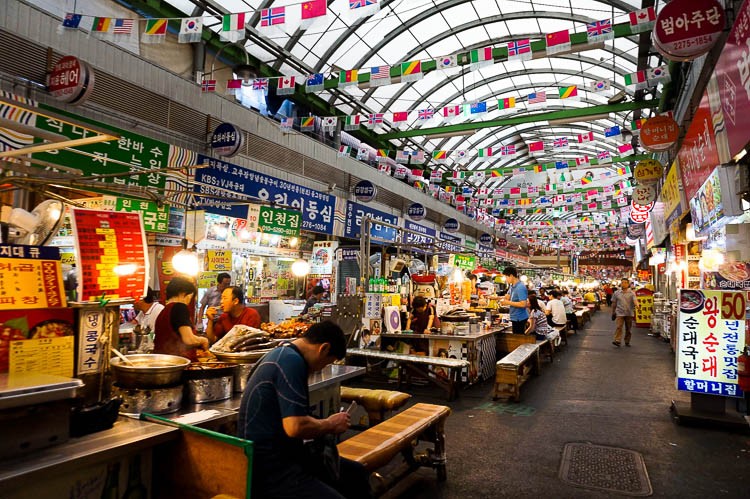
<point>20,390</point>
<point>240,357</point>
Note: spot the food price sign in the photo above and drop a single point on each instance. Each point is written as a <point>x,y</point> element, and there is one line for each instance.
<point>644,307</point>
<point>711,335</point>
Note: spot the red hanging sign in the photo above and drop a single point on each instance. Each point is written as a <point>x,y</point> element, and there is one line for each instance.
<point>685,30</point>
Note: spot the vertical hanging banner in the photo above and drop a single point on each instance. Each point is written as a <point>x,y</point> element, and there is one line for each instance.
<point>644,307</point>
<point>711,335</point>
<point>112,254</point>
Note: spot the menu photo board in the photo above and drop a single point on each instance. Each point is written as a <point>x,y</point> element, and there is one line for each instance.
<point>711,335</point>
<point>112,254</point>
<point>321,262</point>
<point>716,203</point>
<point>37,340</point>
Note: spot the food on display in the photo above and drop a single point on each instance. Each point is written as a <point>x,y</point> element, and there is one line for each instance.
<point>51,329</point>
<point>287,329</point>
<point>243,338</point>
<point>691,301</point>
<point>8,333</point>
<point>734,271</point>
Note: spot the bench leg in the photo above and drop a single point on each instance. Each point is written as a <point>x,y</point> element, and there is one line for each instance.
<point>440,458</point>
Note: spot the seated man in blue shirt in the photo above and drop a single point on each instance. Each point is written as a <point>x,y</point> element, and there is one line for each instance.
<point>275,415</point>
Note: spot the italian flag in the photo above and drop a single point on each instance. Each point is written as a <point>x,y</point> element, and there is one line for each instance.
<point>480,58</point>
<point>636,79</point>
<point>233,22</point>
<point>484,154</point>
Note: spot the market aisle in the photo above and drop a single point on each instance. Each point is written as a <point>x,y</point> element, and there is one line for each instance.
<point>593,393</point>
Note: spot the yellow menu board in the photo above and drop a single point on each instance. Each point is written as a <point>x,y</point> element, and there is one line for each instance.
<point>44,355</point>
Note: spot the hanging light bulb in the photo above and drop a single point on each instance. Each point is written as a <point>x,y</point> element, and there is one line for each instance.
<point>300,268</point>
<point>186,261</point>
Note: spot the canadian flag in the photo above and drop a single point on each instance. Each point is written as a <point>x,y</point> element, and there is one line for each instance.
<point>451,111</point>
<point>585,137</point>
<point>285,85</point>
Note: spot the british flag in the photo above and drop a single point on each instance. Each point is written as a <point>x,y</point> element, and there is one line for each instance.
<point>599,29</point>
<point>260,84</point>
<point>425,114</point>
<point>560,142</point>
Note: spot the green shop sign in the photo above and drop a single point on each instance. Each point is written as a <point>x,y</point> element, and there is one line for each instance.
<point>277,221</point>
<point>471,245</point>
<point>155,217</point>
<point>465,262</point>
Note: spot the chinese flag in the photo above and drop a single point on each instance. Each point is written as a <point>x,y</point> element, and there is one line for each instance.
<point>313,8</point>
<point>400,116</point>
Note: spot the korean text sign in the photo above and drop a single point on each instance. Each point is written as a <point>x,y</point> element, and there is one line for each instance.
<point>355,212</point>
<point>223,182</point>
<point>30,277</point>
<point>710,337</point>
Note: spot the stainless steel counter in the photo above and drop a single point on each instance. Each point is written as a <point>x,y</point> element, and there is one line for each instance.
<point>454,337</point>
<point>333,374</point>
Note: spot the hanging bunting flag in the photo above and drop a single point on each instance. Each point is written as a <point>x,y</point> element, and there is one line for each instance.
<point>307,123</point>
<point>328,123</point>
<point>122,27</point>
<point>585,137</point>
<point>462,156</point>
<point>208,85</point>
<point>71,20</point>
<point>380,75</point>
<point>436,176</point>
<point>400,117</point>
<point>400,172</point>
<point>561,165</point>
<point>561,143</point>
<point>585,180</point>
<point>402,156</point>
<point>637,80</point>
<point>285,85</point>
<point>344,151</point>
<point>537,99</point>
<point>234,86</point>
<point>536,148</point>
<point>374,119</point>
<point>484,153</point>
<point>599,31</point>
<point>382,155</point>
<point>101,26</point>
<point>233,27</point>
<point>507,104</point>
<point>425,114</point>
<point>480,58</point>
<point>642,20</point>
<point>191,30</point>
<point>315,83</point>
<point>411,71</point>
<point>583,161</point>
<point>362,8</point>
<point>348,78</point>
<point>509,150</point>
<point>312,11</point>
<point>613,132</point>
<point>636,125</point>
<point>625,150</point>
<point>458,177</point>
<point>658,75</point>
<point>440,156</point>
<point>352,122</point>
<point>477,108</point>
<point>570,92</point>
<point>286,125</point>
<point>384,168</point>
<point>520,50</point>
<point>559,41</point>
<point>363,153</point>
<point>261,84</point>
<point>272,17</point>
<point>155,32</point>
<point>446,62</point>
<point>600,86</point>
<point>451,111</point>
<point>604,157</point>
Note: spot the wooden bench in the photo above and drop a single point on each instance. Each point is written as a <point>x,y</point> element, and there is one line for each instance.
<point>420,365</point>
<point>377,446</point>
<point>514,370</point>
<point>507,342</point>
<point>377,403</point>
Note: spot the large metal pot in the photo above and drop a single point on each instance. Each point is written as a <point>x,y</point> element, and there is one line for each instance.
<point>149,370</point>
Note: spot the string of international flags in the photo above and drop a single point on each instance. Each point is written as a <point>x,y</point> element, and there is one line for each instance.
<point>233,30</point>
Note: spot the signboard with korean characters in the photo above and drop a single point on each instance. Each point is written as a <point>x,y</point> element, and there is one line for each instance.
<point>365,191</point>
<point>37,341</point>
<point>639,213</point>
<point>155,216</point>
<point>698,154</point>
<point>486,239</point>
<point>225,182</point>
<point>659,133</point>
<point>227,140</point>
<point>71,80</point>
<point>272,220</point>
<point>30,277</point>
<point>644,307</point>
<point>321,262</point>
<point>644,194</point>
<point>416,212</point>
<point>648,171</point>
<point>710,337</point>
<point>685,30</point>
<point>355,212</point>
<point>419,235</point>
<point>451,225</point>
<point>670,193</point>
<point>465,262</point>
<point>219,260</point>
<point>449,242</point>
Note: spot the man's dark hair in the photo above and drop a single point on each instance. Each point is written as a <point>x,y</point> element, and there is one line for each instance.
<point>179,285</point>
<point>327,332</point>
<point>239,293</point>
<point>317,290</point>
<point>510,271</point>
<point>555,293</point>
<point>532,292</point>
<point>149,296</point>
<point>418,301</point>
<point>222,276</point>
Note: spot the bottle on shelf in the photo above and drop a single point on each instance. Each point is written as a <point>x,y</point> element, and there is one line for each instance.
<point>371,285</point>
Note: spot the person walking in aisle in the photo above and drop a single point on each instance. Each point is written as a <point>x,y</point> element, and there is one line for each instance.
<point>623,310</point>
<point>516,300</point>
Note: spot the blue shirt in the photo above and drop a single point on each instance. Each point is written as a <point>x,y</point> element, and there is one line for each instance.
<point>276,389</point>
<point>518,293</point>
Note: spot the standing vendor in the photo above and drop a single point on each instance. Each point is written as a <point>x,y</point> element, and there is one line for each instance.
<point>175,333</point>
<point>315,297</point>
<point>516,300</point>
<point>212,298</point>
<point>235,312</point>
<point>422,316</point>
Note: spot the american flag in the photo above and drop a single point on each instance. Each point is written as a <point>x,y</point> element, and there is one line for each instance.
<point>260,84</point>
<point>520,47</point>
<point>560,142</point>
<point>425,114</point>
<point>599,28</point>
<point>123,26</point>
<point>537,98</point>
<point>379,72</point>
<point>287,123</point>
